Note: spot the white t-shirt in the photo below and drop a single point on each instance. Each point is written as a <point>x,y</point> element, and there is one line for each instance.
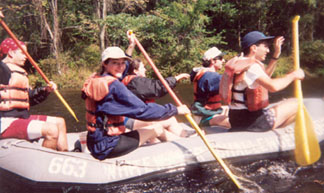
<point>251,75</point>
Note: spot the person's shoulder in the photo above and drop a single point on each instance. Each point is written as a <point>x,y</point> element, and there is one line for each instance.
<point>255,67</point>
<point>211,74</point>
<point>3,65</point>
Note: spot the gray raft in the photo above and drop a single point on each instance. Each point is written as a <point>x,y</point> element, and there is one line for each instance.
<point>26,163</point>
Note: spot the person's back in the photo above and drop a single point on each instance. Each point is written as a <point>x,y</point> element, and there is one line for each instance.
<point>207,102</point>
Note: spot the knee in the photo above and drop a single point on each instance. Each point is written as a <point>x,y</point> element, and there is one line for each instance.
<point>60,121</point>
<point>158,129</point>
<point>50,131</point>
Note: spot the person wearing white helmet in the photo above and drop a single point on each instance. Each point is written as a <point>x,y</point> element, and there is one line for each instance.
<point>207,102</point>
<point>108,101</point>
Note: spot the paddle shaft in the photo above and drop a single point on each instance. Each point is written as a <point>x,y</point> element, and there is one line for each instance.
<point>188,116</point>
<point>307,149</point>
<point>298,90</point>
<point>36,67</point>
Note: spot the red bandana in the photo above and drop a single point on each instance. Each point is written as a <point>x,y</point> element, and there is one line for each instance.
<point>9,44</point>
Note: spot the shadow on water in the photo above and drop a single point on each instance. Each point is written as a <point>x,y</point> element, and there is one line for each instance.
<point>275,175</point>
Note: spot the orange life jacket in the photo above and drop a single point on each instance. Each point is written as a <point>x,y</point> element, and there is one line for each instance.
<point>212,102</point>
<point>15,94</point>
<point>96,88</point>
<point>128,79</point>
<point>254,99</point>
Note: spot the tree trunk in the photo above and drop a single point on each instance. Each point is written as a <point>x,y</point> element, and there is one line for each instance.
<point>103,27</point>
<point>56,35</point>
<point>55,32</point>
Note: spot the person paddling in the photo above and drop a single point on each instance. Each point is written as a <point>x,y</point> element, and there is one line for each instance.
<point>249,108</point>
<point>207,102</point>
<point>108,101</point>
<point>17,97</point>
<point>148,90</point>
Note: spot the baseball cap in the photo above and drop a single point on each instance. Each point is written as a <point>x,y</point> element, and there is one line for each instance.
<point>212,53</point>
<point>253,37</point>
<point>114,53</point>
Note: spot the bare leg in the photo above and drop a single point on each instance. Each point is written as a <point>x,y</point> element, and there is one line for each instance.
<point>50,134</point>
<point>285,112</point>
<point>149,133</point>
<point>62,144</point>
<point>154,132</point>
<point>221,119</point>
<point>173,126</point>
<point>55,130</point>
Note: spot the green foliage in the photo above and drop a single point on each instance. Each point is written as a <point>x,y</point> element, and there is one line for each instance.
<point>175,33</point>
<point>174,36</point>
<point>284,65</point>
<point>88,56</point>
<point>312,56</point>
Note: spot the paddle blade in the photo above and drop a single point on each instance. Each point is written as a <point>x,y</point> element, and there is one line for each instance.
<point>307,149</point>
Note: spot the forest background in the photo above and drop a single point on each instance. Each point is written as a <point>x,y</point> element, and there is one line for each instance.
<point>66,37</point>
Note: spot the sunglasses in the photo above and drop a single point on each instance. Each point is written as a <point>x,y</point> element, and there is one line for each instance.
<point>218,58</point>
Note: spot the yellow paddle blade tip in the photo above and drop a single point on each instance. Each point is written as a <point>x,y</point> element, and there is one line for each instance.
<point>296,18</point>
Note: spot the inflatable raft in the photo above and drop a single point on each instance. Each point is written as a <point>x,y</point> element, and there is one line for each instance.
<point>27,164</point>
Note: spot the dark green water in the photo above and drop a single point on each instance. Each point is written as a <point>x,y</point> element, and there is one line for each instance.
<point>53,106</point>
<point>269,175</point>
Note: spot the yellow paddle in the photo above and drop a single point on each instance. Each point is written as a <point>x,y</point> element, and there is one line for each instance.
<point>188,116</point>
<point>307,149</point>
<point>35,65</point>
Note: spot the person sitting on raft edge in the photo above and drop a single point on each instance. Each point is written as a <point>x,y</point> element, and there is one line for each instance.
<point>207,101</point>
<point>148,90</point>
<point>108,101</point>
<point>17,97</point>
<point>246,82</point>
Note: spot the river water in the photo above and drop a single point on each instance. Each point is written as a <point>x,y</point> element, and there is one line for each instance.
<point>268,175</point>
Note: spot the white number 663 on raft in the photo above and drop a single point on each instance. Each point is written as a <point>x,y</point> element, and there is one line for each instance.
<point>68,167</point>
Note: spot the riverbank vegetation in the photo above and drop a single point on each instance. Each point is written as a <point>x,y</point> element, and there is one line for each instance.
<point>66,37</point>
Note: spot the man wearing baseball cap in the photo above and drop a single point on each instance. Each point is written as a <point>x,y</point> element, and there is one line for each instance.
<point>249,108</point>
<point>207,103</point>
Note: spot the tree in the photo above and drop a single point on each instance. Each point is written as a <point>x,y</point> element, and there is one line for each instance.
<point>54,32</point>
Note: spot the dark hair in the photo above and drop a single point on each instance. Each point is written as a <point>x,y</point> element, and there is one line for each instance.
<point>133,65</point>
<point>206,63</point>
<point>246,51</point>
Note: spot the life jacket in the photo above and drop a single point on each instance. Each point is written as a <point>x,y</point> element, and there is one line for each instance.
<point>15,94</point>
<point>212,102</point>
<point>96,88</point>
<point>128,79</point>
<point>254,99</point>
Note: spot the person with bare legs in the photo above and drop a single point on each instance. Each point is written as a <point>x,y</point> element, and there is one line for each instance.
<point>207,105</point>
<point>249,108</point>
<point>148,90</point>
<point>108,101</point>
<point>17,97</point>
